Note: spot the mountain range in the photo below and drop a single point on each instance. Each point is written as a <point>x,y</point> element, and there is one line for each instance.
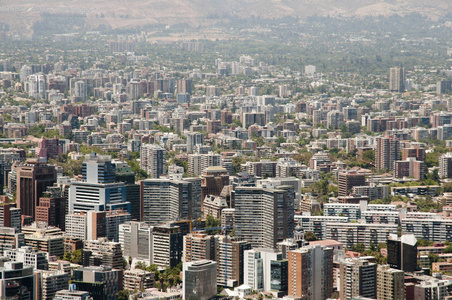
<point>131,13</point>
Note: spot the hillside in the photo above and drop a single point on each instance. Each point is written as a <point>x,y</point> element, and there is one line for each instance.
<point>20,15</point>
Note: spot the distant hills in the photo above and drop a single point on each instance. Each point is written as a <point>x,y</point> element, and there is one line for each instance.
<point>20,15</point>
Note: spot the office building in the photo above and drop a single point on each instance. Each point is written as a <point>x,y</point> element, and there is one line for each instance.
<point>98,169</point>
<point>92,225</point>
<point>10,238</point>
<point>348,180</point>
<point>358,278</point>
<point>101,282</point>
<point>17,281</point>
<point>264,217</point>
<point>29,257</point>
<point>48,283</point>
<point>310,273</point>
<point>33,178</point>
<point>402,251</point>
<point>213,180</point>
<point>44,238</point>
<point>87,196</point>
<point>397,80</point>
<point>387,152</point>
<point>52,210</point>
<point>102,252</point>
<point>443,87</point>
<point>200,280</point>
<point>445,166</point>
<point>125,174</point>
<point>258,269</point>
<point>10,216</point>
<point>390,283</point>
<point>165,200</point>
<point>153,160</point>
<point>72,294</point>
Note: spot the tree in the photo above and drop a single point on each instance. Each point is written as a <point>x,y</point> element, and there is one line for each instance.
<point>123,295</point>
<point>310,236</point>
<point>359,247</point>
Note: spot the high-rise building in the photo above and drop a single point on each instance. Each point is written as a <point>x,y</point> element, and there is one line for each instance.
<point>230,258</point>
<point>125,174</point>
<point>10,216</point>
<point>92,225</point>
<point>258,268</point>
<point>402,252</point>
<point>44,238</point>
<point>102,252</point>
<point>199,246</point>
<point>445,166</point>
<point>334,119</point>
<point>184,86</point>
<point>409,168</point>
<point>358,278</point>
<point>397,80</point>
<point>165,200</point>
<point>390,283</point>
<point>52,210</point>
<point>264,217</point>
<point>197,163</point>
<point>161,245</point>
<point>193,139</point>
<point>200,280</point>
<point>443,86</point>
<point>387,152</point>
<point>10,238</point>
<point>29,257</point>
<point>101,282</point>
<point>310,273</point>
<point>17,281</point>
<point>35,85</point>
<point>33,178</point>
<point>213,180</point>
<point>348,180</point>
<point>99,190</point>
<point>49,148</point>
<point>153,160</point>
<point>98,169</point>
<point>48,283</point>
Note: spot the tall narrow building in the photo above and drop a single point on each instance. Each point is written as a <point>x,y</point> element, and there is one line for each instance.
<point>165,200</point>
<point>310,273</point>
<point>153,160</point>
<point>387,153</point>
<point>358,278</point>
<point>264,217</point>
<point>390,283</point>
<point>33,178</point>
<point>397,80</point>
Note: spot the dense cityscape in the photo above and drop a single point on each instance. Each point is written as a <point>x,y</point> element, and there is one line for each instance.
<point>248,159</point>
